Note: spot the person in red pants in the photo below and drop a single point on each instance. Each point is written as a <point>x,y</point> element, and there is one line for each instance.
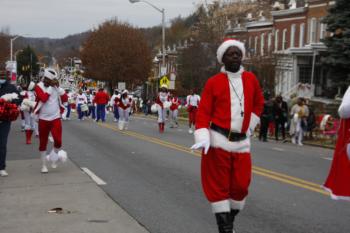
<point>192,106</point>
<point>49,107</point>
<point>228,112</point>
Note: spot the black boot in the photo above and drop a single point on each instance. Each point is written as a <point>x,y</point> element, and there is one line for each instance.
<point>233,214</point>
<point>224,222</point>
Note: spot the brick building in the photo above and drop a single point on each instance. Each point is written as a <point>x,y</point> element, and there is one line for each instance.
<point>292,35</point>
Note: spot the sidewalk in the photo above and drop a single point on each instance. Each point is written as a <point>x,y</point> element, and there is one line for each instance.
<point>26,196</point>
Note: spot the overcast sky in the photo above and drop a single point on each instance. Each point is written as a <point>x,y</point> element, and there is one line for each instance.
<point>59,18</point>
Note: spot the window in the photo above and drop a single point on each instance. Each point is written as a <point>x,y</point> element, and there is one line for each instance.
<point>262,44</point>
<point>276,40</point>
<point>256,45</point>
<point>284,39</point>
<point>322,30</point>
<point>269,42</point>
<point>313,29</point>
<point>292,36</point>
<point>301,35</point>
<point>250,45</point>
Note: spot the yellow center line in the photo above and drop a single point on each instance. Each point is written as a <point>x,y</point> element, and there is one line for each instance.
<point>256,170</point>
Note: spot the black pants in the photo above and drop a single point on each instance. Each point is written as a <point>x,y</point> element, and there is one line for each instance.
<point>278,124</point>
<point>4,133</point>
<point>264,126</point>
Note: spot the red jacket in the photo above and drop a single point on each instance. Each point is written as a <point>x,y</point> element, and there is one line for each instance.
<point>175,103</point>
<point>42,96</point>
<point>215,104</point>
<point>101,97</point>
<point>126,105</point>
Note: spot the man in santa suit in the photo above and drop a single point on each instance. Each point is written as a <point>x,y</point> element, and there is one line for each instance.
<point>230,106</point>
<point>49,107</point>
<point>338,181</point>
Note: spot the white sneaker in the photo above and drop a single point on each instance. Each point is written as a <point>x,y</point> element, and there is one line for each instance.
<point>44,169</point>
<point>293,141</point>
<point>190,131</point>
<point>3,173</point>
<point>53,165</point>
<point>300,144</point>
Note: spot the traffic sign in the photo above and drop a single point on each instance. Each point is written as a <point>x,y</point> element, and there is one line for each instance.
<point>164,80</point>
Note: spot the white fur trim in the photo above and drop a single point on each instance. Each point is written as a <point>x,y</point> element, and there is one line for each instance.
<point>237,205</point>
<point>344,108</point>
<point>254,121</point>
<point>62,156</point>
<point>31,86</point>
<point>227,44</point>
<point>60,91</point>
<point>221,206</point>
<point>201,135</point>
<point>9,97</point>
<point>218,140</point>
<point>335,197</point>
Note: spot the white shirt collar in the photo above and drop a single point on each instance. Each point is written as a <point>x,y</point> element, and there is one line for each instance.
<point>238,74</point>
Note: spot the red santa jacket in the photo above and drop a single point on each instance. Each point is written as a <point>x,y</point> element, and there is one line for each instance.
<point>162,98</point>
<point>175,103</point>
<point>124,103</point>
<point>42,94</point>
<point>101,97</point>
<point>215,107</point>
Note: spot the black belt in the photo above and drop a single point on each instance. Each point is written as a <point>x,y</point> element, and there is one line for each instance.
<point>231,136</point>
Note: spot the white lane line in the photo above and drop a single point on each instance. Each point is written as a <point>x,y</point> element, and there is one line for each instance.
<point>92,175</point>
<point>277,148</point>
<point>328,158</point>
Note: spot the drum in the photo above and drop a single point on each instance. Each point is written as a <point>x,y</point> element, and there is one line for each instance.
<point>84,107</point>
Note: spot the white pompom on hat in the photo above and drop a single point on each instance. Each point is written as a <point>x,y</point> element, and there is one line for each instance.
<point>227,44</point>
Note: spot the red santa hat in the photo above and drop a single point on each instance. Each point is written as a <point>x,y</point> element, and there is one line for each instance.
<point>227,44</point>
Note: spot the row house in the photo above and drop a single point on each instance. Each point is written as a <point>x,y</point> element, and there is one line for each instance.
<point>293,36</point>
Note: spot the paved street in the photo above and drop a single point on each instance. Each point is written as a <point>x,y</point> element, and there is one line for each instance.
<point>156,179</point>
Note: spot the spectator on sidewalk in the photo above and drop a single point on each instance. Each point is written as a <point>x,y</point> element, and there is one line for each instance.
<point>338,180</point>
<point>266,117</point>
<point>280,115</point>
<point>5,125</point>
<point>311,123</point>
<point>101,99</point>
<point>49,107</point>
<point>298,125</point>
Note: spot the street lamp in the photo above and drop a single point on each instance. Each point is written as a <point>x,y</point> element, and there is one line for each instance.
<point>163,26</point>
<point>12,40</point>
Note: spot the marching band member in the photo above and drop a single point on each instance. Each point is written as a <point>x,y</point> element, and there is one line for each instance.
<point>124,104</point>
<point>162,99</point>
<point>49,107</point>
<point>192,101</point>
<point>27,107</point>
<point>174,110</point>
<point>80,100</point>
<point>113,102</point>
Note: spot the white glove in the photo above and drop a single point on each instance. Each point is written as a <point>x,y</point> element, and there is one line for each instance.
<point>203,144</point>
<point>348,150</point>
<point>9,97</point>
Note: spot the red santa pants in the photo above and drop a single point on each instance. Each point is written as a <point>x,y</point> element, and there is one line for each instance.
<point>192,115</point>
<point>225,178</point>
<point>45,127</point>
